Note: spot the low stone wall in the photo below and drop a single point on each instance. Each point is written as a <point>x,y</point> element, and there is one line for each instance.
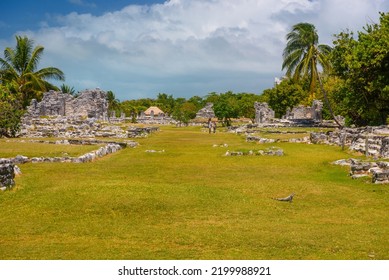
<point>377,170</point>
<point>76,127</point>
<point>371,141</point>
<point>7,174</point>
<point>273,151</point>
<point>134,132</point>
<point>262,140</point>
<point>156,120</point>
<point>88,157</point>
<point>9,168</point>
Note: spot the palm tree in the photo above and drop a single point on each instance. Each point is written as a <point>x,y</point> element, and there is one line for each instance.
<point>113,102</point>
<point>67,89</point>
<point>302,55</point>
<point>19,68</point>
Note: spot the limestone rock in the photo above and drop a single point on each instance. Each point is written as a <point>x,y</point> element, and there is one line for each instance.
<point>7,174</point>
<point>364,140</point>
<point>206,112</point>
<point>263,113</point>
<point>89,104</point>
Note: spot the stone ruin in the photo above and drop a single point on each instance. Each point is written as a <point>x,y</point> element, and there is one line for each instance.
<point>65,116</point>
<point>377,170</point>
<point>89,104</point>
<point>302,113</point>
<point>298,116</point>
<point>8,167</point>
<point>109,148</point>
<point>67,127</point>
<point>7,174</point>
<point>206,112</point>
<point>371,141</point>
<point>263,113</point>
<point>272,151</point>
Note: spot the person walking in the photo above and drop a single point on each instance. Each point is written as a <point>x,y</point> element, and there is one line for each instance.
<point>214,127</point>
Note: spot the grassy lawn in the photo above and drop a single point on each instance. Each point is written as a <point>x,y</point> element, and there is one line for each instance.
<point>191,202</point>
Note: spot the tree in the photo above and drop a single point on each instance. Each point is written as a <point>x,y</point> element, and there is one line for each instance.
<point>246,104</point>
<point>113,103</point>
<point>212,97</point>
<point>284,96</point>
<point>10,112</point>
<point>362,64</point>
<point>184,112</point>
<point>165,102</point>
<point>67,89</point>
<point>19,69</point>
<point>226,107</point>
<point>303,54</point>
<point>197,101</point>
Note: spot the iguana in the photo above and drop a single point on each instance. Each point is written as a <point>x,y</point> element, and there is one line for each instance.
<point>288,198</point>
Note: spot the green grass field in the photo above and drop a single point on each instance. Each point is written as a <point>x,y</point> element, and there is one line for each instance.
<point>192,202</point>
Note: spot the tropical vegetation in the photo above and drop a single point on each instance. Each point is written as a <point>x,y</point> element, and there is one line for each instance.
<point>68,89</point>
<point>19,70</point>
<point>10,112</point>
<point>362,64</point>
<point>21,81</point>
<point>303,54</point>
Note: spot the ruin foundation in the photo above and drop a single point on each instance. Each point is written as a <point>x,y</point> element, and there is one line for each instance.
<point>371,141</point>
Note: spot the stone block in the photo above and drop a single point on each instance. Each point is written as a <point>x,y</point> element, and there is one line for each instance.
<point>7,174</point>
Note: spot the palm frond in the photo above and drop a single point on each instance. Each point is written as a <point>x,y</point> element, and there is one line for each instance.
<point>22,53</point>
<point>9,57</point>
<point>50,73</point>
<point>35,82</point>
<point>8,72</point>
<point>34,59</point>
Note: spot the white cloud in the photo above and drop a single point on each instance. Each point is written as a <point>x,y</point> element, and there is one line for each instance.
<point>185,47</point>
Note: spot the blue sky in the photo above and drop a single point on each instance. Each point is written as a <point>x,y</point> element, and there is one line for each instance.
<point>181,47</point>
<point>32,14</point>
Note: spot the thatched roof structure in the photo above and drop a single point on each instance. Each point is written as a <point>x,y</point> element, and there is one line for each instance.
<point>153,110</point>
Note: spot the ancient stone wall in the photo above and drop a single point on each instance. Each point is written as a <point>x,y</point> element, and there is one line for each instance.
<point>371,141</point>
<point>155,119</point>
<point>299,115</point>
<point>263,113</point>
<point>206,112</point>
<point>300,112</point>
<point>88,157</point>
<point>76,127</point>
<point>89,104</point>
<point>377,170</point>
